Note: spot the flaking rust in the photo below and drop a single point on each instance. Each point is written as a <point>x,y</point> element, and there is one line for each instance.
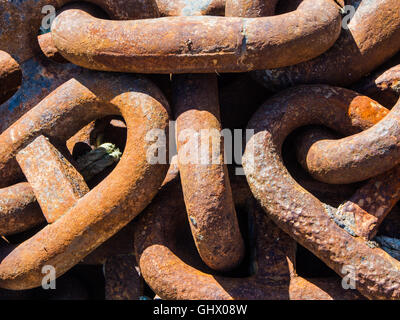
<point>113,203</point>
<point>204,174</point>
<point>19,210</point>
<point>21,20</point>
<point>168,263</point>
<point>382,86</point>
<point>363,213</point>
<point>10,76</point>
<point>201,232</point>
<point>192,8</point>
<point>197,44</point>
<point>361,48</point>
<point>294,209</point>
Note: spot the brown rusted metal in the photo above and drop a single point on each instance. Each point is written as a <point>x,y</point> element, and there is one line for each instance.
<point>19,210</point>
<point>56,183</point>
<point>10,76</point>
<point>204,174</point>
<point>123,282</point>
<point>169,264</point>
<point>384,87</point>
<point>297,212</point>
<point>191,8</point>
<point>49,50</point>
<point>250,8</point>
<point>39,78</point>
<point>20,21</point>
<point>197,44</point>
<point>356,157</point>
<point>359,50</point>
<point>366,209</point>
<point>116,200</point>
<point>363,213</point>
<point>332,194</point>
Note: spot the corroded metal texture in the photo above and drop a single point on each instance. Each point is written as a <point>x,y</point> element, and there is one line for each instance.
<point>20,21</point>
<point>39,78</point>
<point>360,155</point>
<point>56,183</point>
<point>383,87</point>
<point>197,44</point>
<point>250,8</point>
<point>366,209</point>
<point>191,7</point>
<point>123,282</point>
<point>357,157</point>
<point>204,174</point>
<point>363,213</point>
<point>360,49</point>
<point>168,262</point>
<point>111,204</point>
<point>10,76</point>
<point>332,194</point>
<point>49,50</point>
<point>297,212</point>
<point>19,210</point>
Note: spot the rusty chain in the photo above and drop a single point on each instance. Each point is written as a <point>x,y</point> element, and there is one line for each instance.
<point>85,148</point>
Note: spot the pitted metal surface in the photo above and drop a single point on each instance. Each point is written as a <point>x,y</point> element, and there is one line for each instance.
<point>307,213</point>
<point>295,210</point>
<point>361,48</point>
<point>174,272</point>
<point>79,231</point>
<point>195,44</point>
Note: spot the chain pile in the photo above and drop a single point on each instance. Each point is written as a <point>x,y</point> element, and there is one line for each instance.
<point>200,149</point>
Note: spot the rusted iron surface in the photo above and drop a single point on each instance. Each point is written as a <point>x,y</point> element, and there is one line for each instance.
<point>296,211</point>
<point>383,87</point>
<point>19,210</point>
<point>114,202</point>
<point>39,78</point>
<point>357,157</point>
<point>366,209</point>
<point>20,21</point>
<point>56,183</point>
<point>123,282</point>
<point>191,8</point>
<point>170,266</point>
<point>363,213</point>
<point>332,194</point>
<point>49,50</point>
<point>194,43</point>
<point>359,50</point>
<point>204,175</point>
<point>250,8</point>
<point>82,141</point>
<point>10,76</point>
<point>80,153</point>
